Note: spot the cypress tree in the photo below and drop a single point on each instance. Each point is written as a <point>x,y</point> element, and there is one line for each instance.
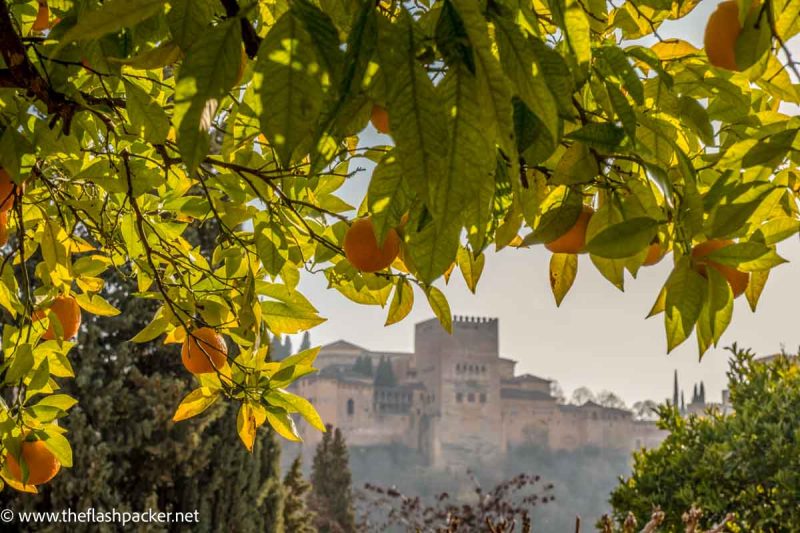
<point>127,452</point>
<point>332,495</point>
<point>305,344</point>
<point>287,346</point>
<point>297,518</point>
<point>384,375</point>
<point>675,390</point>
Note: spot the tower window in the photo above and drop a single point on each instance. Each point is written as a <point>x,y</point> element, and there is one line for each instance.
<point>483,397</point>
<point>471,397</point>
<point>459,397</point>
<point>351,407</point>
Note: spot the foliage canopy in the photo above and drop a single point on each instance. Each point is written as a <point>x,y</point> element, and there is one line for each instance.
<point>745,462</point>
<point>125,122</point>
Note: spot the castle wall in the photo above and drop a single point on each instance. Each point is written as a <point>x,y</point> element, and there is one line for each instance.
<point>527,422</point>
<point>457,401</point>
<point>462,370</point>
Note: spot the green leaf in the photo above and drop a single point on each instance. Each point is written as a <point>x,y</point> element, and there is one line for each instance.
<point>156,327</point>
<point>283,318</point>
<point>777,229</point>
<point>603,136</point>
<point>717,311</point>
<point>623,239</point>
<point>417,118</point>
<point>283,424</point>
<point>195,403</point>
<point>148,119</point>
<point>577,165</point>
<point>96,305</point>
<point>471,267</point>
<point>111,16</point>
<point>754,40</point>
<point>402,302</point>
<point>685,294</point>
<point>520,64</point>
<point>295,404</point>
<point>189,19</point>
<point>452,38</point>
<point>209,70</point>
<point>292,84</point>
<point>563,270</point>
<point>614,64</point>
<point>58,401</point>
<point>59,446</point>
<point>385,195</point>
<point>576,27</point>
<point>695,116</point>
<point>557,220</point>
<point>21,364</point>
<point>271,247</point>
<point>441,308</point>
<point>304,358</point>
<point>465,189</point>
<point>747,256</point>
<point>755,287</point>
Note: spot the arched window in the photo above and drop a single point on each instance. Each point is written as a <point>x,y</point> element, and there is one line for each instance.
<point>351,407</point>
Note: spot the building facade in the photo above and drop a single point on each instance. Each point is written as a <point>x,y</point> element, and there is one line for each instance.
<point>455,400</point>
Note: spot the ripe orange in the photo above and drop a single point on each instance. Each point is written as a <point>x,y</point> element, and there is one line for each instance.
<point>573,241</point>
<point>3,228</point>
<point>737,279</point>
<point>380,119</point>
<point>7,187</point>
<point>655,253</point>
<point>204,351</point>
<point>722,30</point>
<point>362,250</point>
<point>42,21</point>
<point>42,464</point>
<point>67,312</point>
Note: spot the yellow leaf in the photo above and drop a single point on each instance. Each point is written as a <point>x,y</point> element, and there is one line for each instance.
<point>96,305</point>
<point>674,49</point>
<point>195,403</point>
<point>16,485</point>
<point>563,269</point>
<point>176,336</point>
<point>249,419</point>
<point>283,425</point>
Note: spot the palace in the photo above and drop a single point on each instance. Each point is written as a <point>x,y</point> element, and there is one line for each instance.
<point>455,400</point>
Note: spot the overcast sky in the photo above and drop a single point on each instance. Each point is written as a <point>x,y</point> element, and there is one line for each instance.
<point>598,337</point>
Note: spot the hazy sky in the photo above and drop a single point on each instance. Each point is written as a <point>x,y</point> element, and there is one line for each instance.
<point>598,337</point>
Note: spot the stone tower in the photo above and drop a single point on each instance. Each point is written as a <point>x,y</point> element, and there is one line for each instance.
<point>462,373</point>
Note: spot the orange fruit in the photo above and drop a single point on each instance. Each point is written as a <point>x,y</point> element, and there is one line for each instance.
<point>573,241</point>
<point>67,312</point>
<point>204,351</point>
<point>380,119</point>
<point>7,187</point>
<point>655,253</point>
<point>42,464</point>
<point>362,250</point>
<point>42,21</point>
<point>3,228</point>
<point>737,279</point>
<point>722,31</point>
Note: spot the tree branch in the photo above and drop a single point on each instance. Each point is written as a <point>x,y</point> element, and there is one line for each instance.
<point>22,73</point>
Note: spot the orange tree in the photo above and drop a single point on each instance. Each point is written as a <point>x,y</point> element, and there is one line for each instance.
<point>512,123</point>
